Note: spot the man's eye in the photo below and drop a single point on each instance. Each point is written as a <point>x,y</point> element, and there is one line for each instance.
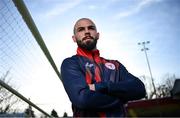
<point>91,28</point>
<point>80,29</point>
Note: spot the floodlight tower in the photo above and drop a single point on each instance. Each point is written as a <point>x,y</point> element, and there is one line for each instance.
<point>145,51</point>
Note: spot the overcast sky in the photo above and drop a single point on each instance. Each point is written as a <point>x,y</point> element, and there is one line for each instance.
<point>121,24</point>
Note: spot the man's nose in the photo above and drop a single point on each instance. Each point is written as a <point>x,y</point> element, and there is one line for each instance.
<point>87,34</point>
<point>86,30</point>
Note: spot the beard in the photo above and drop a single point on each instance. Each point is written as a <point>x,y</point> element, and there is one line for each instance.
<point>88,45</point>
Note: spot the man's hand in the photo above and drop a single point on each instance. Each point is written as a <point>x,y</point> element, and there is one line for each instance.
<point>91,87</point>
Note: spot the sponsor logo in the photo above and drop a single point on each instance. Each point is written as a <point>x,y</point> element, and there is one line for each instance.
<point>110,66</point>
<point>89,65</point>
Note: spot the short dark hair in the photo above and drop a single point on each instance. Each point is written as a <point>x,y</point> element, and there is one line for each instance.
<point>74,30</point>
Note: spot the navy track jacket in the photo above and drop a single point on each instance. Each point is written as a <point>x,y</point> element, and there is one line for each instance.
<point>114,85</point>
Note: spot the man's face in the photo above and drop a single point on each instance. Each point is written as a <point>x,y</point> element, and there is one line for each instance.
<point>85,34</point>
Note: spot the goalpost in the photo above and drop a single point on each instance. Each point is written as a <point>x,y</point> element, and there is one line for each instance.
<point>30,23</point>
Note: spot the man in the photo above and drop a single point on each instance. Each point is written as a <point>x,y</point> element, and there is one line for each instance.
<point>97,87</point>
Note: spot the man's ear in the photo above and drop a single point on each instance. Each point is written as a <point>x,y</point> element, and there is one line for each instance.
<point>74,38</point>
<point>98,35</point>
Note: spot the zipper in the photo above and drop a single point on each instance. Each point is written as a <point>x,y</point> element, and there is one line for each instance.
<point>99,69</point>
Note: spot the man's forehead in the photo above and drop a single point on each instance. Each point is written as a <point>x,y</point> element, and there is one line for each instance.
<point>84,23</point>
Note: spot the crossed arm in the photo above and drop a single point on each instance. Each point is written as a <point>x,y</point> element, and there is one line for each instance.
<point>78,91</point>
<point>129,88</point>
<point>100,95</point>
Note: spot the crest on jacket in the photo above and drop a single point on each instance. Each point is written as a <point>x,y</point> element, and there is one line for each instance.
<point>110,66</point>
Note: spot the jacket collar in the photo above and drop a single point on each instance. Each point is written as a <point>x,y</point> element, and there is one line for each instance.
<point>92,55</point>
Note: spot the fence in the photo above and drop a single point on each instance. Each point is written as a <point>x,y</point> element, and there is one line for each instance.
<point>22,48</point>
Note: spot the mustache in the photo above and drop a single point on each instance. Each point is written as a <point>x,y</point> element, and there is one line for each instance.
<point>88,37</point>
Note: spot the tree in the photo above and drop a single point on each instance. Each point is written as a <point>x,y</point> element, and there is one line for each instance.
<point>164,90</point>
<point>7,99</point>
<point>148,85</point>
<point>65,114</point>
<point>29,112</point>
<point>54,113</point>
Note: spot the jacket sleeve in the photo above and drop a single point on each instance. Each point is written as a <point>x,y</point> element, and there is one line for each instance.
<point>78,91</point>
<point>127,88</point>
